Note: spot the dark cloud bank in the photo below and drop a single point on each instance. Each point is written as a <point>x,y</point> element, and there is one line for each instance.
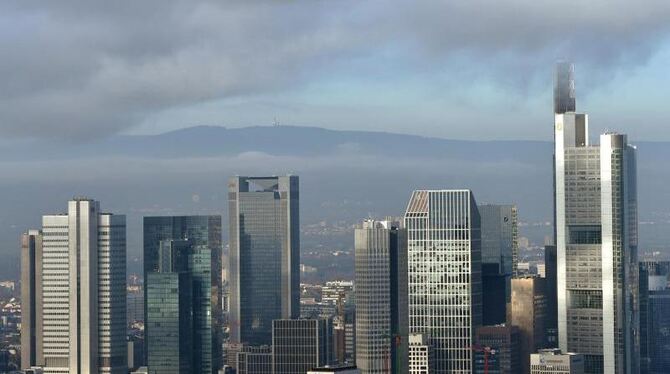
<point>83,69</point>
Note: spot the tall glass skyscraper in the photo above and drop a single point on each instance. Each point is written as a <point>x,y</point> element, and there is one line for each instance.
<point>500,251</point>
<point>179,327</point>
<point>381,297</point>
<point>596,245</point>
<point>264,258</point>
<point>202,232</point>
<point>79,260</point>
<point>444,268</point>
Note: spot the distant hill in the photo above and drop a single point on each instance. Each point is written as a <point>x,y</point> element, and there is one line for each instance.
<point>345,175</point>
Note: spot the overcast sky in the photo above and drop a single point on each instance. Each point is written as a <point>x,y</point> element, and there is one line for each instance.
<point>79,70</point>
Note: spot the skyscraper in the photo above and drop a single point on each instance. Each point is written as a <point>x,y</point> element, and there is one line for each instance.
<point>264,255</point>
<point>83,287</point>
<point>527,310</point>
<point>202,232</point>
<point>444,264</point>
<point>381,297</point>
<point>564,88</point>
<point>596,243</point>
<point>502,341</point>
<point>500,247</point>
<point>179,328</point>
<point>31,298</point>
<point>299,345</point>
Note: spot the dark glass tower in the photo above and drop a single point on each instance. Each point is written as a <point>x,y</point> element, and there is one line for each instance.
<point>264,255</point>
<point>179,324</point>
<point>202,232</point>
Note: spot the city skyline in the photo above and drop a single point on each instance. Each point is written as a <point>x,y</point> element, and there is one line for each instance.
<point>255,187</point>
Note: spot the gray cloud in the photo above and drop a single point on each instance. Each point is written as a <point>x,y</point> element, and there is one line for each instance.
<point>82,69</point>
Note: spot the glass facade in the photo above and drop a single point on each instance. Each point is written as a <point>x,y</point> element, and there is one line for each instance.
<point>381,297</point>
<point>193,322</point>
<point>444,266</point>
<point>264,255</point>
<point>299,345</point>
<point>170,321</point>
<point>201,231</point>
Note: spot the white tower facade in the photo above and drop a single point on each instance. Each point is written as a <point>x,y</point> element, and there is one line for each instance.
<point>596,240</point>
<point>444,271</point>
<point>83,291</point>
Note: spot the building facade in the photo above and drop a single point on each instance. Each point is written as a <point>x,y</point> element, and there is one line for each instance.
<point>528,311</point>
<point>81,271</point>
<point>420,354</point>
<point>381,297</point>
<point>500,248</point>
<point>201,231</point>
<point>264,258</point>
<point>179,317</point>
<point>299,345</point>
<point>444,269</point>
<point>31,298</point>
<point>596,245</point>
<point>503,341</point>
<point>552,361</point>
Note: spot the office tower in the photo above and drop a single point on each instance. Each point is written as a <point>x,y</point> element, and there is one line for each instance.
<point>201,231</point>
<point>83,286</point>
<point>504,342</point>
<point>551,323</point>
<point>381,297</point>
<point>552,361</point>
<point>344,369</point>
<point>564,88</point>
<point>299,345</point>
<point>254,360</point>
<point>527,311</point>
<point>420,354</point>
<point>178,326</point>
<point>500,241</point>
<point>644,319</point>
<point>264,255</point>
<point>445,294</point>
<point>596,245</point>
<point>134,304</point>
<point>136,352</point>
<point>31,298</point>
<point>500,247</point>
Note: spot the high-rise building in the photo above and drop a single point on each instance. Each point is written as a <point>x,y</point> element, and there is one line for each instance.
<point>444,267</point>
<point>527,310</point>
<point>264,258</point>
<point>420,354</point>
<point>254,360</point>
<point>179,323</point>
<point>79,279</point>
<point>564,88</point>
<point>381,297</point>
<point>31,298</point>
<point>596,245</point>
<point>551,323</point>
<point>299,345</point>
<point>552,361</point>
<point>500,241</point>
<point>500,248</point>
<point>503,341</point>
<point>201,232</point>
